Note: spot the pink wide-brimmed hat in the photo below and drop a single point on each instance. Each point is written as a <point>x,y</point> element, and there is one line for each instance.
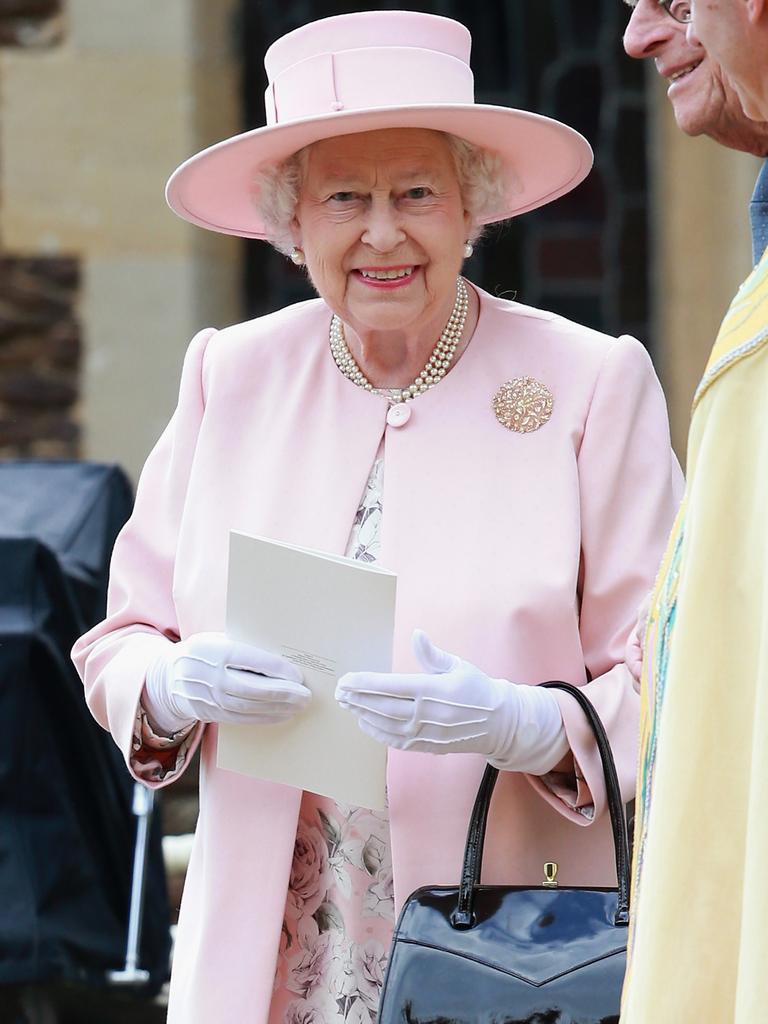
<point>362,72</point>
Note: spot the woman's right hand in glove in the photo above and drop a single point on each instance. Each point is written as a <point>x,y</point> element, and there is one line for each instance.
<point>210,678</point>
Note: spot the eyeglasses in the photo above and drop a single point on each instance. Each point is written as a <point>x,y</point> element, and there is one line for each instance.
<point>680,10</point>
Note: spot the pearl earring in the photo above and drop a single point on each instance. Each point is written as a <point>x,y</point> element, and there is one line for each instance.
<point>297,256</point>
<point>468,250</point>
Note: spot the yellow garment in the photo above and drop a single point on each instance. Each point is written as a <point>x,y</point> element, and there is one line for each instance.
<point>699,947</point>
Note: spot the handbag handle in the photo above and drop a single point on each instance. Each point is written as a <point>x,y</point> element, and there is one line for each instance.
<point>463,915</point>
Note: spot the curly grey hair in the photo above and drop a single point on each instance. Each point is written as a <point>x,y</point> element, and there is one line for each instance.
<point>277,188</point>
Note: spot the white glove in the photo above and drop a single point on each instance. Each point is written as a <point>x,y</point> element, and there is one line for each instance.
<point>210,678</point>
<point>456,708</point>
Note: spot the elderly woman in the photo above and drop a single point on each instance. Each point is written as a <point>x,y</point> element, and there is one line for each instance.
<point>512,468</point>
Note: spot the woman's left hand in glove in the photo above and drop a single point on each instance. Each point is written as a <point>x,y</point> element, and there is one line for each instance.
<point>453,707</point>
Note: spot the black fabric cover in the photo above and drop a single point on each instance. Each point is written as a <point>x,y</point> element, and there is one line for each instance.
<point>66,829</point>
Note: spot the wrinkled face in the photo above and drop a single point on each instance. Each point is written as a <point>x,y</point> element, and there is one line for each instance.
<point>703,101</point>
<point>723,27</point>
<point>382,223</point>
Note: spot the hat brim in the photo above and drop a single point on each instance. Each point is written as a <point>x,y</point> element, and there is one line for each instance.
<point>542,159</point>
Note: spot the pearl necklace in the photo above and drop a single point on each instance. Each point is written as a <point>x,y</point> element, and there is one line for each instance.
<point>436,367</point>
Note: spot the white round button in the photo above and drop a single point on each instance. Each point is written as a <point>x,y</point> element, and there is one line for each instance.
<point>399,415</point>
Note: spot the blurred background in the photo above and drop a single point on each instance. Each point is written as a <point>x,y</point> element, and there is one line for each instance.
<point>101,287</point>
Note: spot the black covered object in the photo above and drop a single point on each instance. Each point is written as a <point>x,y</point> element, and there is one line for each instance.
<point>513,954</point>
<point>66,827</point>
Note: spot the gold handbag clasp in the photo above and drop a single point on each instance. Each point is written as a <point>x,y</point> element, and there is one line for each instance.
<point>550,875</point>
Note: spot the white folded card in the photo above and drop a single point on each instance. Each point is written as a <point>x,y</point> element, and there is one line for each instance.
<point>328,615</point>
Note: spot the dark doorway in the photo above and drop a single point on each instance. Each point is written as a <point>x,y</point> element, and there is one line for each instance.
<point>586,255</point>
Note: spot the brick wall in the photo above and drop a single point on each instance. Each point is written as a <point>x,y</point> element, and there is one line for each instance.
<point>31,22</point>
<point>39,332</point>
<point>39,357</point>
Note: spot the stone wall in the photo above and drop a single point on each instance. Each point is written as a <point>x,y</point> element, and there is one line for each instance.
<point>39,332</point>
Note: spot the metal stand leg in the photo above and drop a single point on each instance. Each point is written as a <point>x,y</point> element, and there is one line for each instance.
<point>132,974</point>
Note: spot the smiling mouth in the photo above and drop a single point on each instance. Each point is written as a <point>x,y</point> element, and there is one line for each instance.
<point>684,72</point>
<point>372,274</point>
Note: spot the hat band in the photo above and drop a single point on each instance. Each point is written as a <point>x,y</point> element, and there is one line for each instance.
<point>361,79</point>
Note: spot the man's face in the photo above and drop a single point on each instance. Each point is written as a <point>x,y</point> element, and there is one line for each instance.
<point>723,26</point>
<point>703,101</point>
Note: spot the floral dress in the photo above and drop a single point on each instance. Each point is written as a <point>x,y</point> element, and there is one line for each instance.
<point>339,913</point>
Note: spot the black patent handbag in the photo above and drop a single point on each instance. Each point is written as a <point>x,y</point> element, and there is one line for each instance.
<point>482,954</point>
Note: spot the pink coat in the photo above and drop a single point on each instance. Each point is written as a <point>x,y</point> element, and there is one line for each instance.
<point>527,554</point>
